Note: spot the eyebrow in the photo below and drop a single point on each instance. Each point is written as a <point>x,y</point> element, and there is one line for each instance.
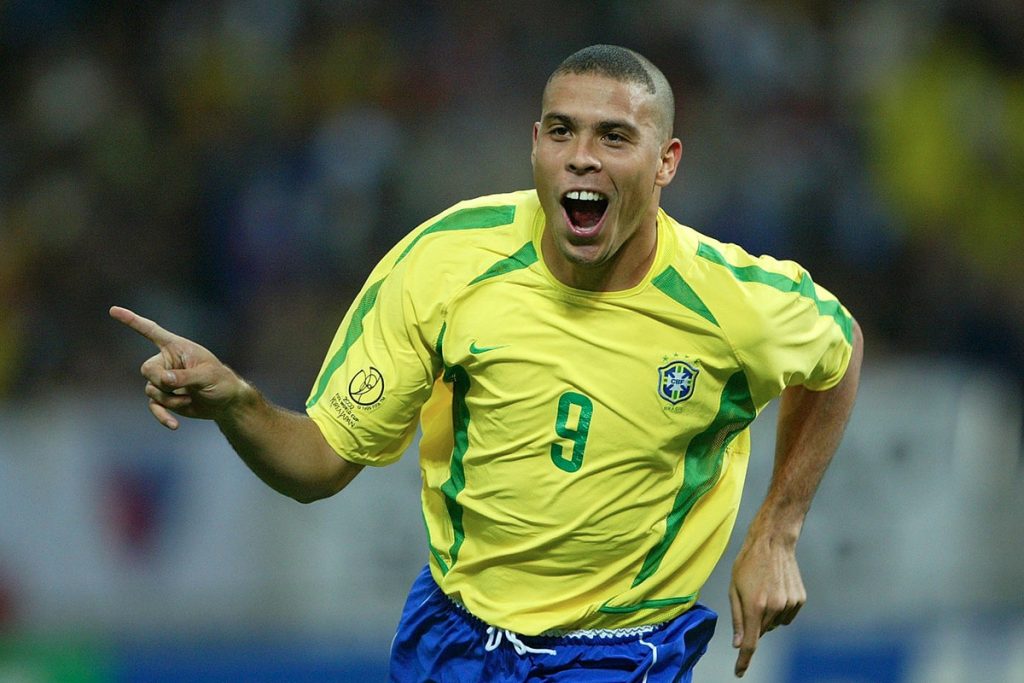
<point>601,126</point>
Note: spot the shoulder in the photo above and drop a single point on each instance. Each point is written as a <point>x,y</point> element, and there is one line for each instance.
<point>731,264</point>
<point>692,250</point>
<point>488,211</point>
<point>449,250</point>
<point>745,292</point>
<point>454,234</point>
<point>766,296</point>
<point>491,216</point>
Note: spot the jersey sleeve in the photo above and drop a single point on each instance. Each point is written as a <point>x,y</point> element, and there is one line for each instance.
<point>379,369</point>
<point>803,335</point>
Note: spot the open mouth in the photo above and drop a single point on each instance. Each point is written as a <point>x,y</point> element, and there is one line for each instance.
<point>584,209</point>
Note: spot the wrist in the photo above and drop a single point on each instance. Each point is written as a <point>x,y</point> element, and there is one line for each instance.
<point>244,402</point>
<point>778,526</point>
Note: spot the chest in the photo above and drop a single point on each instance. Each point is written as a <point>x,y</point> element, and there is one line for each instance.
<point>537,362</point>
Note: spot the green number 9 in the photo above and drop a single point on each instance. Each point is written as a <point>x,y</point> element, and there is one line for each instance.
<point>577,435</point>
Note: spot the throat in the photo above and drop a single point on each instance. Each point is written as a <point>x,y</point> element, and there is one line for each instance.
<point>593,266</point>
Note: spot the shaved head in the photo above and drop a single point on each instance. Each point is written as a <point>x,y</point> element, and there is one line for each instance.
<point>627,66</point>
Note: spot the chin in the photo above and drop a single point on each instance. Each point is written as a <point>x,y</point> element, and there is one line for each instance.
<point>584,256</point>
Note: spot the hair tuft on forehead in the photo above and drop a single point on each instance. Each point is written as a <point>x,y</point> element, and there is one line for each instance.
<point>613,61</point>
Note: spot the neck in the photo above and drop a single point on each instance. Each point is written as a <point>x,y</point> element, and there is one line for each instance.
<point>625,269</point>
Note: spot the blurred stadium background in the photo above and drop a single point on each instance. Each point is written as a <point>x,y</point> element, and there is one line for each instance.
<point>233,168</point>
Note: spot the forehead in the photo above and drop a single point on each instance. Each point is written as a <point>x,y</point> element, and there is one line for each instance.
<point>595,97</point>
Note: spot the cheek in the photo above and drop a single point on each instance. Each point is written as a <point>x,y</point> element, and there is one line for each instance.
<point>638,186</point>
<point>544,170</point>
<point>544,157</point>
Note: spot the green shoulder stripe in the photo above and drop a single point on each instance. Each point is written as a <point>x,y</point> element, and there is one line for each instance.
<point>805,287</point>
<point>464,219</point>
<point>525,257</point>
<point>672,283</point>
<point>702,464</point>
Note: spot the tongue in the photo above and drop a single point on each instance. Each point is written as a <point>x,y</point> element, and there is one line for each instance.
<point>585,217</point>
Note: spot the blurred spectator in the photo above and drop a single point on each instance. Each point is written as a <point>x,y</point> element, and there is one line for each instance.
<point>945,132</point>
<point>234,167</point>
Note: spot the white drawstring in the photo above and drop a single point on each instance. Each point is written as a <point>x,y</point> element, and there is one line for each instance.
<point>654,661</point>
<point>494,636</point>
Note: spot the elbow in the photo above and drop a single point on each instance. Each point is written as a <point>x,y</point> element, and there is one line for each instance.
<point>341,474</point>
<point>313,493</point>
<point>307,497</point>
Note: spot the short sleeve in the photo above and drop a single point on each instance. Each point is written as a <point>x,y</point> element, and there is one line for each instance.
<point>377,374</point>
<point>799,333</point>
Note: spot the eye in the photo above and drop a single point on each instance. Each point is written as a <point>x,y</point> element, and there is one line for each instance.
<point>614,138</point>
<point>559,132</point>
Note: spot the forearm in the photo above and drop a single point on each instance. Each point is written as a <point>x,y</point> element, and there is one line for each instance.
<point>810,427</point>
<point>283,448</point>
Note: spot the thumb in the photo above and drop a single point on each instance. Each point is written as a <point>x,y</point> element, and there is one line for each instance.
<point>181,380</point>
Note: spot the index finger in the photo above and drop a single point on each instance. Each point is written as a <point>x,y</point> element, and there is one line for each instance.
<point>144,326</point>
<point>751,634</point>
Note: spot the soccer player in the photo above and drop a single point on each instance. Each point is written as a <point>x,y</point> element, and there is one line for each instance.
<point>585,370</point>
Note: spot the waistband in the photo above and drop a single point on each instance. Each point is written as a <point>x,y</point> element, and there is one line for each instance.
<point>605,635</point>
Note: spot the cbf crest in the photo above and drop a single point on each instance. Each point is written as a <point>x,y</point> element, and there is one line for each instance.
<point>676,381</point>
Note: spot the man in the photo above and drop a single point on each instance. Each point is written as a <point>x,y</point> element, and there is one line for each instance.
<point>584,369</point>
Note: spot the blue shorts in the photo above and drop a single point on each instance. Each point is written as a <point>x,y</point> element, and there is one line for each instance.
<point>440,642</point>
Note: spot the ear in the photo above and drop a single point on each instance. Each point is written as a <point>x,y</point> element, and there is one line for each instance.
<point>533,148</point>
<point>671,153</point>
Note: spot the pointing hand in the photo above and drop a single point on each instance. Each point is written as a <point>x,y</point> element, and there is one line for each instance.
<point>183,377</point>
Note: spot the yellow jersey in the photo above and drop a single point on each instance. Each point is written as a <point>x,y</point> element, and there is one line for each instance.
<point>582,453</point>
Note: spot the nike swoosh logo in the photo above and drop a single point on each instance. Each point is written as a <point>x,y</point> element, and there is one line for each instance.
<point>473,348</point>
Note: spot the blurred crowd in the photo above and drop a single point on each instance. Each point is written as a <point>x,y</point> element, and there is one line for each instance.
<point>233,168</point>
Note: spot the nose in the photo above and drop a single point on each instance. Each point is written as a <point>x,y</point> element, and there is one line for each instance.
<point>582,159</point>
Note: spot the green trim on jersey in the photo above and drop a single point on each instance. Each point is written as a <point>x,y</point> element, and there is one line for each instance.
<point>671,283</point>
<point>703,463</point>
<point>438,347</point>
<point>525,257</point>
<point>459,378</point>
<point>355,329</point>
<point>805,287</point>
<point>467,219</point>
<point>433,551</point>
<point>647,604</point>
<point>439,344</point>
<point>464,219</point>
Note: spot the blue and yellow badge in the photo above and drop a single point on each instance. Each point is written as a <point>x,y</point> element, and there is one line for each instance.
<point>676,381</point>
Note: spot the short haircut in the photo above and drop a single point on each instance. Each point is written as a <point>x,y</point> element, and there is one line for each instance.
<point>627,66</point>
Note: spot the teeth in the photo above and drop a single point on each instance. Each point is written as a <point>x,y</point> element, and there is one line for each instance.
<point>584,195</point>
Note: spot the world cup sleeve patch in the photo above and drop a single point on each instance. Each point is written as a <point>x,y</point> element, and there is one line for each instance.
<point>366,387</point>
<point>676,381</point>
